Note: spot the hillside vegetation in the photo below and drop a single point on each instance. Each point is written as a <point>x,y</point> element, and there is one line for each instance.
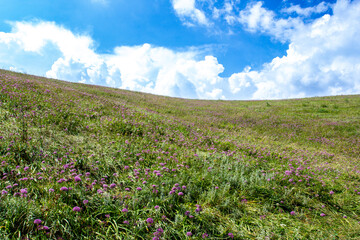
<point>88,162</point>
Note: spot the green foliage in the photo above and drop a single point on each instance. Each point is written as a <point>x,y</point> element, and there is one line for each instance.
<point>250,169</point>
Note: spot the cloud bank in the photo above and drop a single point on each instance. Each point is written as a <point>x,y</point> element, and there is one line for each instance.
<point>323,57</point>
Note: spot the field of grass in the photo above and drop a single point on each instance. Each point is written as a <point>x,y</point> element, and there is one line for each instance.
<point>88,162</point>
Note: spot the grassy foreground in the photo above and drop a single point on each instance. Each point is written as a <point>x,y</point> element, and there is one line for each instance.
<point>88,162</point>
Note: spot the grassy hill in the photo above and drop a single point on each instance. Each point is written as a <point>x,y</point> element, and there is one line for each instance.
<point>88,162</point>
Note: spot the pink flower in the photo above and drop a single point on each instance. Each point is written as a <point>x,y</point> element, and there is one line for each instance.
<point>37,221</point>
<point>76,209</point>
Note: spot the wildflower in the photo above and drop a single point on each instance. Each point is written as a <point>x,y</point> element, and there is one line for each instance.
<point>85,201</point>
<point>180,193</point>
<point>125,210</point>
<point>23,191</point>
<point>113,185</point>
<point>4,192</point>
<point>187,213</point>
<point>64,189</point>
<point>76,209</point>
<point>45,227</point>
<point>125,222</point>
<point>77,179</point>
<point>37,221</point>
<point>231,235</point>
<point>205,235</point>
<point>292,213</point>
<point>150,220</point>
<point>331,192</point>
<point>322,214</point>
<point>189,234</point>
<point>156,207</point>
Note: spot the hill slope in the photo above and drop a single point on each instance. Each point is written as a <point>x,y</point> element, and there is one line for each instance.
<point>94,162</point>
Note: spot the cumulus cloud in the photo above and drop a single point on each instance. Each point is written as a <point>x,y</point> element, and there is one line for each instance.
<point>323,58</point>
<point>190,73</point>
<point>256,18</point>
<point>189,14</point>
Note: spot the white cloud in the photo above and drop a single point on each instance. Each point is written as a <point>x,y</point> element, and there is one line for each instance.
<point>190,73</point>
<point>320,8</point>
<point>323,58</point>
<point>188,12</point>
<point>256,18</point>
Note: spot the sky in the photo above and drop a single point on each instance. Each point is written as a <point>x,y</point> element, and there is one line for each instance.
<point>199,49</point>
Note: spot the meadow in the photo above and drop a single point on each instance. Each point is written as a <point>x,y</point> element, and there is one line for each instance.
<point>88,162</point>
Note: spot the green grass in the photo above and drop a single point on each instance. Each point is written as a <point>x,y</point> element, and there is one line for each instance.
<point>286,169</point>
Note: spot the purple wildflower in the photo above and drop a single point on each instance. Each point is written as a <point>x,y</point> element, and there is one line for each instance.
<point>23,191</point>
<point>85,201</point>
<point>77,179</point>
<point>231,235</point>
<point>76,209</point>
<point>150,220</point>
<point>64,189</point>
<point>37,221</point>
<point>125,210</point>
<point>189,234</point>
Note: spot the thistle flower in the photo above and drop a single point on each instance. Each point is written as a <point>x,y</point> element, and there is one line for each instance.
<point>77,179</point>
<point>125,210</point>
<point>76,209</point>
<point>150,220</point>
<point>37,221</point>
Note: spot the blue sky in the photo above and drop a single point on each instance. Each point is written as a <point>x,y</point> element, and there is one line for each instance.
<point>205,49</point>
